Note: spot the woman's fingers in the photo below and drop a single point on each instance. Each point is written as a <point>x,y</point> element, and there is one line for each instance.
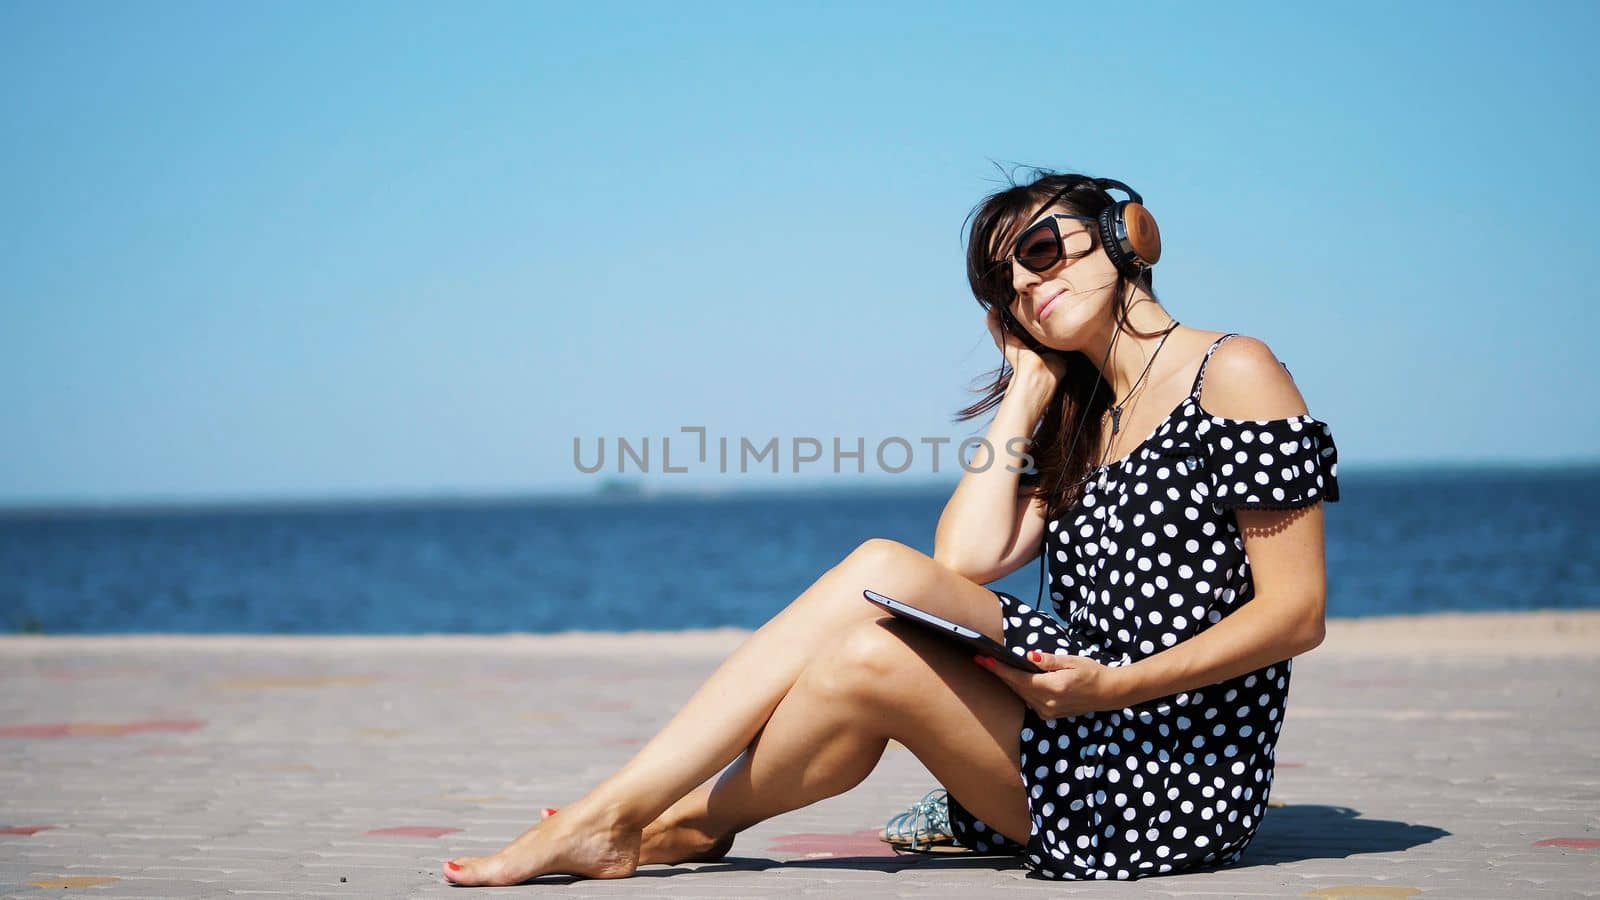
<point>1054,693</point>
<point>1052,662</point>
<point>1046,661</point>
<point>1020,682</point>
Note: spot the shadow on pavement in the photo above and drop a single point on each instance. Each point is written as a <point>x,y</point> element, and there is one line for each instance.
<point>1312,831</point>
<point>1290,834</point>
<point>886,864</point>
<point>870,863</point>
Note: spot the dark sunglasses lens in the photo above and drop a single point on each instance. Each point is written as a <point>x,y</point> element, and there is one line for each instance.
<point>1039,248</point>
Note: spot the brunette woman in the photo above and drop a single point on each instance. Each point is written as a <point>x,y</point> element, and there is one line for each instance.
<point>1176,504</point>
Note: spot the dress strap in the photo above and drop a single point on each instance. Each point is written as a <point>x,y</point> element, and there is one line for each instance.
<point>1200,376</point>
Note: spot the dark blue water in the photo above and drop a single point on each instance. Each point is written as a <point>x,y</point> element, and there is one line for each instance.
<point>1398,542</point>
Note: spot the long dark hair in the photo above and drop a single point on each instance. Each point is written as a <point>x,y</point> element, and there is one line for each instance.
<point>1082,393</point>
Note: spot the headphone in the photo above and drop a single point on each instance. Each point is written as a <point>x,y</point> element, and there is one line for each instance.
<point>1127,230</point>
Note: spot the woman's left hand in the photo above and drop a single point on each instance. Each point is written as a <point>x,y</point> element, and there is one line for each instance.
<point>1069,686</point>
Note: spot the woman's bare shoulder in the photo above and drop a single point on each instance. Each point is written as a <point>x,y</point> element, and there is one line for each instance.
<point>1246,380</point>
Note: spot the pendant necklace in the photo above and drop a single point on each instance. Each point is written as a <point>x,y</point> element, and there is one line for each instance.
<point>1116,408</point>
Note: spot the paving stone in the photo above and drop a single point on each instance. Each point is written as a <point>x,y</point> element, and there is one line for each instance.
<point>271,768</point>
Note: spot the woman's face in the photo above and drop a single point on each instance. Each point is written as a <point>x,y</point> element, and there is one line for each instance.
<point>1067,303</point>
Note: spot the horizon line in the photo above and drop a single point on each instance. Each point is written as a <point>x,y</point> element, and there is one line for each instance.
<point>615,489</point>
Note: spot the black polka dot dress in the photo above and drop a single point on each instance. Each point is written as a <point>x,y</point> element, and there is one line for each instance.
<point>1151,556</point>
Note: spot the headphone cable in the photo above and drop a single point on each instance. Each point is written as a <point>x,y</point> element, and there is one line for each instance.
<point>1083,416</point>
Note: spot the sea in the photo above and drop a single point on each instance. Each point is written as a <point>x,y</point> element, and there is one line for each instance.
<point>1413,540</point>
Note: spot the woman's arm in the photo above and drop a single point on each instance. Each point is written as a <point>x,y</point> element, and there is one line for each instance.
<point>1285,547</point>
<point>989,528</point>
<point>1281,621</point>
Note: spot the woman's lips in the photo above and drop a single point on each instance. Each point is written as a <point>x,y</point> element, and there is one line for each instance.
<point>1050,304</point>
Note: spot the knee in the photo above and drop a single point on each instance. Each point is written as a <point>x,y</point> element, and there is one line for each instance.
<point>861,665</point>
<point>877,554</point>
<point>880,564</point>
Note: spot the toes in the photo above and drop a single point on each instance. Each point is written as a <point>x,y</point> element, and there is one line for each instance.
<point>464,870</point>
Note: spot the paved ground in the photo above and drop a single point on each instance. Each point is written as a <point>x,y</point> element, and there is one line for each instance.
<point>1447,757</point>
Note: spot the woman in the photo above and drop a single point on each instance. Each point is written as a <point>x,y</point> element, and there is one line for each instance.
<point>1147,745</point>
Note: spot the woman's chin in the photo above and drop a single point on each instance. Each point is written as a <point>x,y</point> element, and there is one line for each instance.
<point>1058,344</point>
<point>1060,333</point>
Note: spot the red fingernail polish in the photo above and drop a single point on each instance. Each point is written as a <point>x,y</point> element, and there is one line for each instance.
<point>452,866</point>
<point>549,811</point>
<point>1034,655</point>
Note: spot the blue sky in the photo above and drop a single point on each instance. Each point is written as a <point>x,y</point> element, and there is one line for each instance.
<point>292,250</point>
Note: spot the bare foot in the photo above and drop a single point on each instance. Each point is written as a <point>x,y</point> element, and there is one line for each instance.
<point>573,843</point>
<point>677,843</point>
<point>681,843</point>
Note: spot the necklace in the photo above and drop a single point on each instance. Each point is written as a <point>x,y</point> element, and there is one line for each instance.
<point>1116,409</point>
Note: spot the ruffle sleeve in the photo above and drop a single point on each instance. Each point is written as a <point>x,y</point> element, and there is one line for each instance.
<point>1269,463</point>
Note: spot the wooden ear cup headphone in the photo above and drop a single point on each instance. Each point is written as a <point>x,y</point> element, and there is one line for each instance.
<point>1127,230</point>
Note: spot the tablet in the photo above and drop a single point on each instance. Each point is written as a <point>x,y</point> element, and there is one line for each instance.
<point>949,629</point>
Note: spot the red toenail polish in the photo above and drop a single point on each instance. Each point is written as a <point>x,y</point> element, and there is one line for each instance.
<point>452,866</point>
<point>549,811</point>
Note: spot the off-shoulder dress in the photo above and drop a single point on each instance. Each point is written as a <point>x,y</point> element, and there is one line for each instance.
<point>1151,556</point>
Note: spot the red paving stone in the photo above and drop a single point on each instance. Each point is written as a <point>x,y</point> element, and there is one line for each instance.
<point>1580,843</point>
<point>99,729</point>
<point>412,831</point>
<point>855,843</point>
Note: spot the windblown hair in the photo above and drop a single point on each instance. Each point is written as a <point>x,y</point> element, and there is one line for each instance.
<point>1062,463</point>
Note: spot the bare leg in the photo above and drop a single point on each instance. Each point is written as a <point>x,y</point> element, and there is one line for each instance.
<point>883,680</point>
<point>599,835</point>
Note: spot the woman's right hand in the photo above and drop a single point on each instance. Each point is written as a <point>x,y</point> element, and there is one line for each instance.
<point>1025,362</point>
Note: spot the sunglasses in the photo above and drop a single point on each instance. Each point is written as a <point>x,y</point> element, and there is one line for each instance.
<point>1042,245</point>
<point>1040,248</point>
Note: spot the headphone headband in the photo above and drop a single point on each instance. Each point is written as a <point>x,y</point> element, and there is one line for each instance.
<point>1104,183</point>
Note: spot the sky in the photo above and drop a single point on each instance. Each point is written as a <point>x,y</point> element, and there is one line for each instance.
<point>298,250</point>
